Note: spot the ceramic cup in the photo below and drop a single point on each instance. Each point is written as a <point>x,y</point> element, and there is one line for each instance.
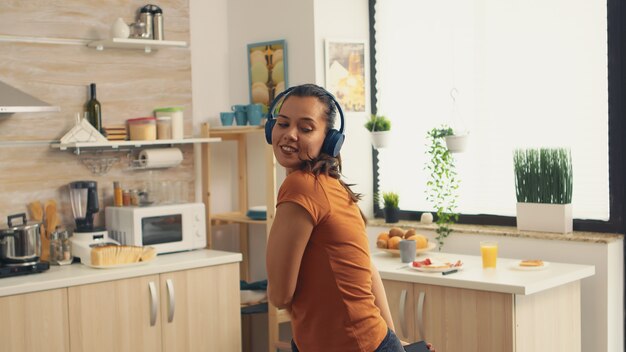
<point>407,251</point>
<point>227,118</point>
<point>254,113</point>
<point>240,114</point>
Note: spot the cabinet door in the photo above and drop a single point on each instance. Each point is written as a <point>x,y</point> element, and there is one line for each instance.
<point>455,319</point>
<point>402,307</point>
<point>34,322</point>
<point>119,315</point>
<point>200,309</point>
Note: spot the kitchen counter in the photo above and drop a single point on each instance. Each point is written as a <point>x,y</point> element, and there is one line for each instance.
<point>79,274</point>
<point>503,279</point>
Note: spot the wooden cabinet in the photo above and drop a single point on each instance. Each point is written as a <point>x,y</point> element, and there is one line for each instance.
<point>456,319</point>
<point>190,310</point>
<point>34,322</point>
<point>200,309</point>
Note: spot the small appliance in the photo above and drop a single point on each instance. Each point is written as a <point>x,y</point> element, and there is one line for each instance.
<point>167,228</point>
<point>20,247</point>
<point>84,201</point>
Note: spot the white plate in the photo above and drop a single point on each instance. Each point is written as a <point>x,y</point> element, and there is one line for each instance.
<point>438,269</point>
<point>119,266</point>
<point>517,266</point>
<point>396,252</point>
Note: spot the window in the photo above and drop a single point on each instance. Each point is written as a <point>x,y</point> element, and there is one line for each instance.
<point>514,74</point>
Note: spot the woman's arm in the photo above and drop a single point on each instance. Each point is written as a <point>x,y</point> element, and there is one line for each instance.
<point>380,297</point>
<point>288,238</point>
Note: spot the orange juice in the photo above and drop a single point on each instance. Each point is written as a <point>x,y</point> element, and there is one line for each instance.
<point>489,253</point>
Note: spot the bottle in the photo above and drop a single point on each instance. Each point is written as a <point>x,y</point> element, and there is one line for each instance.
<point>94,112</point>
<point>118,199</point>
<point>157,21</point>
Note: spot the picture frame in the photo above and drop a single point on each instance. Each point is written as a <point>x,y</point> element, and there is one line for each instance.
<point>267,70</point>
<point>346,69</point>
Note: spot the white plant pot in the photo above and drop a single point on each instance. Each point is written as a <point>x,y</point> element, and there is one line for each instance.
<point>456,144</point>
<point>380,139</point>
<point>544,217</point>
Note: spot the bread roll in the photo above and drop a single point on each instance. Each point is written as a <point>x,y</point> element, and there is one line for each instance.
<point>396,231</point>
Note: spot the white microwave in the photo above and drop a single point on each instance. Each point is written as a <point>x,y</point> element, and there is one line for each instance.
<point>168,228</point>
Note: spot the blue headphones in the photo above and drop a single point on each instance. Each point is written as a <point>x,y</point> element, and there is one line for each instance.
<point>334,139</point>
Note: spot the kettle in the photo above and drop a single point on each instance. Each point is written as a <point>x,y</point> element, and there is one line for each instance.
<point>149,23</point>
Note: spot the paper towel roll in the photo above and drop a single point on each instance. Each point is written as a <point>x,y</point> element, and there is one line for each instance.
<point>163,157</point>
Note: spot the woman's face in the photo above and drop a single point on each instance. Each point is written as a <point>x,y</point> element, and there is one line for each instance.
<point>299,131</point>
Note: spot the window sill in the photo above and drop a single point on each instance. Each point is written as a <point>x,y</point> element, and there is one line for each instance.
<point>506,231</point>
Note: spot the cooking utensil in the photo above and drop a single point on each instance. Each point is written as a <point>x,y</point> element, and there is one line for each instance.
<point>20,244</point>
<point>36,211</point>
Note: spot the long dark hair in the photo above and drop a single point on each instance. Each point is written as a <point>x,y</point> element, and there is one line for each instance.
<point>324,163</point>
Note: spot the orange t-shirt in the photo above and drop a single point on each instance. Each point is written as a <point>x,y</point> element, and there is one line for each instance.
<point>333,305</point>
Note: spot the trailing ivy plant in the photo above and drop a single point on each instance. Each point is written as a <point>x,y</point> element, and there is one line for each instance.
<point>443,182</point>
<point>543,175</point>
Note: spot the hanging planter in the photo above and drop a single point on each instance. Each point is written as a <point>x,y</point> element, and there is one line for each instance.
<point>457,143</point>
<point>380,139</point>
<point>379,127</point>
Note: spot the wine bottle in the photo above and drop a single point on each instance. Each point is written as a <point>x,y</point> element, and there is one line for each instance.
<point>94,112</point>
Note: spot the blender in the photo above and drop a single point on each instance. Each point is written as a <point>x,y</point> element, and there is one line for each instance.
<point>84,201</point>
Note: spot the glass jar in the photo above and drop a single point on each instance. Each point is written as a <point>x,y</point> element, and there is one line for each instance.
<point>142,129</point>
<point>60,248</point>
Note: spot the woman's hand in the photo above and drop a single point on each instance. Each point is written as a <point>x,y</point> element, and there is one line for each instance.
<point>430,347</point>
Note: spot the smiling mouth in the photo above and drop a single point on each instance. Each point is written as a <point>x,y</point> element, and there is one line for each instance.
<point>288,149</point>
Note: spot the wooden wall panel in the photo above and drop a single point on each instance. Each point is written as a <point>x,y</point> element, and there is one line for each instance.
<point>129,84</point>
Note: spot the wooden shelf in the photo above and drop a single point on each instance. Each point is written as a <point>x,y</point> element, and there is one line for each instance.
<point>234,218</point>
<point>231,131</point>
<point>147,45</point>
<point>132,144</point>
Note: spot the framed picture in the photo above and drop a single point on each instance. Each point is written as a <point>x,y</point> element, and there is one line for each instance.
<point>345,73</point>
<point>267,70</point>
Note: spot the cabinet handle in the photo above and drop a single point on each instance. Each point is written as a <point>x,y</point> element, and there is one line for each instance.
<point>153,303</point>
<point>172,300</point>
<point>403,313</point>
<point>420,314</point>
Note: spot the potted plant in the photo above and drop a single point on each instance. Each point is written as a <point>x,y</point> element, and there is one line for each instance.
<point>443,184</point>
<point>391,208</point>
<point>543,186</point>
<point>379,127</point>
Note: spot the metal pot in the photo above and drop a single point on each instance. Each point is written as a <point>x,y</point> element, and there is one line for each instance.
<point>20,244</point>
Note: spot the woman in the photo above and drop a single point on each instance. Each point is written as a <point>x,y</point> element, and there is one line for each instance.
<point>318,261</point>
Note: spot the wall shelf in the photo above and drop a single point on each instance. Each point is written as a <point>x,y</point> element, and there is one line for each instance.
<point>234,218</point>
<point>146,45</point>
<point>100,146</point>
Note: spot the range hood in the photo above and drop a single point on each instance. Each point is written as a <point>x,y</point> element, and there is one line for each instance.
<point>14,100</point>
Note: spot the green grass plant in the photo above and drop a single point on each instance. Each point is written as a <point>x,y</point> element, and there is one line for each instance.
<point>543,175</point>
<point>378,123</point>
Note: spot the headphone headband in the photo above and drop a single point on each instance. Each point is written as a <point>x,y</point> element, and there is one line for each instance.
<point>283,95</point>
<point>334,138</point>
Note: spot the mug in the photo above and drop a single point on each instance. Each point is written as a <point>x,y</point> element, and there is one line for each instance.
<point>240,114</point>
<point>227,118</point>
<point>408,250</point>
<point>255,114</point>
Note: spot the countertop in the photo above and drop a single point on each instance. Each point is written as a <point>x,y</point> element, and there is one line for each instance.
<point>503,279</point>
<point>79,274</point>
<point>505,231</point>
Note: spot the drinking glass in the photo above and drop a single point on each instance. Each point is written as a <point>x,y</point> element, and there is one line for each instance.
<point>489,253</point>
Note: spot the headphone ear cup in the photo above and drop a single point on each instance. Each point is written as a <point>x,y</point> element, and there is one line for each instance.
<point>333,142</point>
<point>269,126</point>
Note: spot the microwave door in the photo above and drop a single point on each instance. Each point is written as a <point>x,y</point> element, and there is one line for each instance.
<point>162,229</point>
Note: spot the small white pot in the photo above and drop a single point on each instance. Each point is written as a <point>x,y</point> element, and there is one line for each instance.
<point>380,139</point>
<point>544,217</point>
<point>457,144</point>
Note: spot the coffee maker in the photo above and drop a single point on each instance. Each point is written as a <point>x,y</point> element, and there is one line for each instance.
<point>84,201</point>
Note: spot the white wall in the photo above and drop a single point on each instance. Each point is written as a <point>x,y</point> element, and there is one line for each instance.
<point>220,31</point>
